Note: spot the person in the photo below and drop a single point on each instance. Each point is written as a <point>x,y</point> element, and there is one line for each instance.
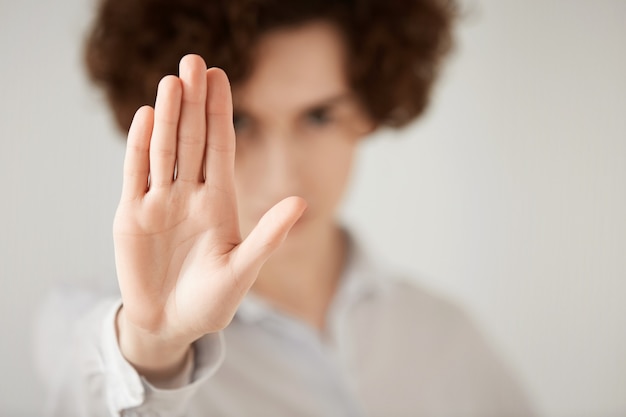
<point>241,293</point>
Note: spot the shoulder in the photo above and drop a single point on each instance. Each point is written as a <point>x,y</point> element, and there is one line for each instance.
<point>413,311</point>
<point>404,312</point>
<point>425,338</point>
<point>398,298</point>
<point>430,346</point>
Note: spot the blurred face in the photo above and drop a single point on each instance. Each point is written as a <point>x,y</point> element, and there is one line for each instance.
<point>297,126</point>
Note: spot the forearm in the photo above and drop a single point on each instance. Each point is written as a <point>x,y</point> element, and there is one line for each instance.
<point>96,380</point>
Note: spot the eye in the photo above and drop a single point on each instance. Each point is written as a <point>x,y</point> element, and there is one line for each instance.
<point>319,116</point>
<point>240,122</point>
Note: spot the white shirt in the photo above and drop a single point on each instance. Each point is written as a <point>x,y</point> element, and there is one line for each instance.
<point>389,349</point>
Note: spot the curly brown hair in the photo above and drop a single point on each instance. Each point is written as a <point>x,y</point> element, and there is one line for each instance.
<point>395,47</point>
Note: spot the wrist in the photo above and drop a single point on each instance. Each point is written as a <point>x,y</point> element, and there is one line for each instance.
<point>152,356</point>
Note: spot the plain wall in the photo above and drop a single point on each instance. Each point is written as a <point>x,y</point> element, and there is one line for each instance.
<point>509,196</point>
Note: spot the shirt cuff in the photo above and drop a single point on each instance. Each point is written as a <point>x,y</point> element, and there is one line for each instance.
<point>127,390</point>
<point>183,377</point>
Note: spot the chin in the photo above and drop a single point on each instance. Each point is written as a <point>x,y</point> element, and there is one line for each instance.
<point>298,239</point>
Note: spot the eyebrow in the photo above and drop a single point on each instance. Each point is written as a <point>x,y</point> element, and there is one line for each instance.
<point>320,103</point>
<point>327,102</point>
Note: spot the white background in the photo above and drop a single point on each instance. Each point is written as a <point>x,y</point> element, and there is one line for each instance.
<point>509,196</point>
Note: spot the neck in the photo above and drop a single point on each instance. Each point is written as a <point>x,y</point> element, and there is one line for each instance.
<point>301,278</point>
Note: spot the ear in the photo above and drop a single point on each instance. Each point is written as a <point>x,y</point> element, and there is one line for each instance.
<point>365,124</point>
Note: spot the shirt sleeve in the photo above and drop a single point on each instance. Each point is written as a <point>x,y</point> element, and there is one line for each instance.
<point>96,380</point>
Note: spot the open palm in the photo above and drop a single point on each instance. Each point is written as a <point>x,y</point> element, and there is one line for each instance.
<point>182,265</point>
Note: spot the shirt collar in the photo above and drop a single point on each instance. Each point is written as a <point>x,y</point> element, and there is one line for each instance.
<point>361,278</point>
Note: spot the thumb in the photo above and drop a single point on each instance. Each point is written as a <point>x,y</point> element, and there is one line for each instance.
<point>267,235</point>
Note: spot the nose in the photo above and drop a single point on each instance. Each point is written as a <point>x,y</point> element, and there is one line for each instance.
<point>282,167</point>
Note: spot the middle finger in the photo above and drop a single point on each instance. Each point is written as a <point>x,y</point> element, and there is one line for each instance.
<point>192,124</point>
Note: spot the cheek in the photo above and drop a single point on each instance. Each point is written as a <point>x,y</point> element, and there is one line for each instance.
<point>247,188</point>
<point>318,172</point>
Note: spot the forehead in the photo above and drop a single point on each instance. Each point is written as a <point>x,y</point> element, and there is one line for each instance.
<point>294,68</point>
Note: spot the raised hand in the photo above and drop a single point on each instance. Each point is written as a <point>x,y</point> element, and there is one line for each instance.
<point>182,265</point>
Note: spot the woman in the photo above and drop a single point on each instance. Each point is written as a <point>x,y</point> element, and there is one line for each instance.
<point>240,292</point>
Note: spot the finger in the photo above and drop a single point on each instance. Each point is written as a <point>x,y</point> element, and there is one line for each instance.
<point>137,158</point>
<point>163,142</point>
<point>267,236</point>
<point>192,125</point>
<point>220,148</point>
